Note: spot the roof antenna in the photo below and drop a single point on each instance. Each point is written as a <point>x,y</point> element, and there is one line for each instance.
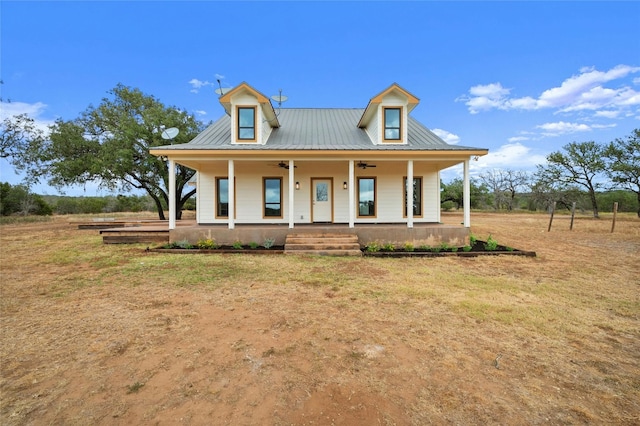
<point>279,98</point>
<point>219,90</point>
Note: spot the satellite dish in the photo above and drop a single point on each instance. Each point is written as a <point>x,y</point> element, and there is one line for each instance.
<point>279,98</point>
<point>170,133</point>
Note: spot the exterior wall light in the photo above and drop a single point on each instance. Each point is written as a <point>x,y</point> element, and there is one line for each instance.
<point>344,185</point>
<point>297,185</point>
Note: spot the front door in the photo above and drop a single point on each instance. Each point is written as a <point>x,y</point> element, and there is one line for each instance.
<point>321,199</point>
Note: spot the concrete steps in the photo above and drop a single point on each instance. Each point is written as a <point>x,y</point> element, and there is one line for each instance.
<point>323,244</point>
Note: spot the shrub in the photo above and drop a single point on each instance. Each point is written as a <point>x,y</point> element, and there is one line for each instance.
<point>184,244</point>
<point>448,205</point>
<point>268,243</point>
<point>472,240</point>
<point>207,244</point>
<point>373,247</point>
<point>466,248</point>
<point>237,245</point>
<point>388,247</point>
<point>491,244</point>
<point>253,245</point>
<point>408,247</point>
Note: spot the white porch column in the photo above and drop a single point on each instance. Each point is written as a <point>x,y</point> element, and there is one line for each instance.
<point>172,194</point>
<point>466,195</point>
<point>352,195</point>
<point>409,194</point>
<point>292,191</point>
<point>232,193</point>
<point>439,197</point>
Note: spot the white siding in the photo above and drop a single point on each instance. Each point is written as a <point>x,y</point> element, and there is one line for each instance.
<point>249,186</point>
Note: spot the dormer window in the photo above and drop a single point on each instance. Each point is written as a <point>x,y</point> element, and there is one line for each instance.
<point>247,124</point>
<point>392,124</point>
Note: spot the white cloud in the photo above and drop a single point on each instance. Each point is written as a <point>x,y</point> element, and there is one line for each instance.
<point>584,91</point>
<point>201,112</point>
<point>448,137</point>
<point>196,84</point>
<point>510,156</point>
<point>607,114</point>
<point>34,111</point>
<point>562,128</point>
<point>518,139</point>
<point>9,109</point>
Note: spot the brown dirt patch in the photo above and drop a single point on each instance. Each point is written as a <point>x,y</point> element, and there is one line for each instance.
<point>95,334</point>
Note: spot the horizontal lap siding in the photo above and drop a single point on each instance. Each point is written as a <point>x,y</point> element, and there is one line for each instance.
<point>249,197</point>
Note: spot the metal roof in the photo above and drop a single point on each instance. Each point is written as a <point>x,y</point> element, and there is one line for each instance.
<point>317,129</point>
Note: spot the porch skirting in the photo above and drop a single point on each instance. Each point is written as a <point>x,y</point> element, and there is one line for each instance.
<point>431,234</point>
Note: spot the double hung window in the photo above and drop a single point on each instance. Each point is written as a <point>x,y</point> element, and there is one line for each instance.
<point>272,193</point>
<point>392,124</point>
<point>246,124</point>
<point>366,197</point>
<point>222,197</point>
<point>417,196</point>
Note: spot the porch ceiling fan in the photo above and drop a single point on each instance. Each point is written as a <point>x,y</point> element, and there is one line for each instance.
<point>364,165</point>
<point>285,165</point>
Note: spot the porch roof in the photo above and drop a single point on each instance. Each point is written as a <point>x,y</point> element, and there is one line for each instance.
<point>322,129</point>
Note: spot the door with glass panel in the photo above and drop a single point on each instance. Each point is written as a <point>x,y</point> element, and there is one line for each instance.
<point>321,200</point>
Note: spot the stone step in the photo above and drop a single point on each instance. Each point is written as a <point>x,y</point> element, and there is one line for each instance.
<point>323,244</point>
<point>326,252</point>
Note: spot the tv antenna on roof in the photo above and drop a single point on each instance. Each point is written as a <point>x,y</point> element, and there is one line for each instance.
<point>220,91</point>
<point>170,133</point>
<point>280,98</point>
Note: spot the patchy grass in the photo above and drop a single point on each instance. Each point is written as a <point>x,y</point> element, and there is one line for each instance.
<point>98,334</point>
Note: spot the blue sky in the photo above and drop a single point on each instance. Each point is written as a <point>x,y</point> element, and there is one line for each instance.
<point>519,78</point>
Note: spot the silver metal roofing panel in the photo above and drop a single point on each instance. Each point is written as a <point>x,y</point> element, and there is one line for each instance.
<point>318,129</point>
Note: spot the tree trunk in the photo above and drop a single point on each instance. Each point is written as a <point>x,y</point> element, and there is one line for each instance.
<point>638,194</point>
<point>180,201</point>
<point>594,203</point>
<point>158,206</point>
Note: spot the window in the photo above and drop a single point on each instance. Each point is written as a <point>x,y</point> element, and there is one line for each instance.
<point>222,197</point>
<point>417,196</point>
<point>392,124</point>
<point>247,123</point>
<point>367,197</point>
<point>272,190</point>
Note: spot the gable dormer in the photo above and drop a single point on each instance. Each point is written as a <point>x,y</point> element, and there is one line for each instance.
<point>252,114</point>
<point>385,118</point>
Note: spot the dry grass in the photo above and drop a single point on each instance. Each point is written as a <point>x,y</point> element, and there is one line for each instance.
<point>107,334</point>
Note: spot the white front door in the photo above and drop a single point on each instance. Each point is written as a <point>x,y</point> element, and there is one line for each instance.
<point>321,198</point>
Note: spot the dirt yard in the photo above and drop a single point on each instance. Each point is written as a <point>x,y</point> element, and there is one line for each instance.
<point>114,335</point>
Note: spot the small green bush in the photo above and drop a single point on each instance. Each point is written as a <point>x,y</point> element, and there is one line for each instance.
<point>253,245</point>
<point>409,247</point>
<point>466,248</point>
<point>268,243</point>
<point>373,247</point>
<point>448,205</point>
<point>388,247</point>
<point>207,244</point>
<point>491,244</point>
<point>237,245</point>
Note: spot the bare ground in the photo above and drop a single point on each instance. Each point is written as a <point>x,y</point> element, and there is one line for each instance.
<point>95,334</point>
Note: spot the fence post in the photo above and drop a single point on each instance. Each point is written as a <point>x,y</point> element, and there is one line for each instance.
<point>573,213</point>
<point>553,209</point>
<point>615,212</point>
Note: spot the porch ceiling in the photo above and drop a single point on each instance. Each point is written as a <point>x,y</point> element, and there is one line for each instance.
<point>439,162</point>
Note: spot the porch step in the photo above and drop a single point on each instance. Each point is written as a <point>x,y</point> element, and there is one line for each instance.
<point>323,244</point>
